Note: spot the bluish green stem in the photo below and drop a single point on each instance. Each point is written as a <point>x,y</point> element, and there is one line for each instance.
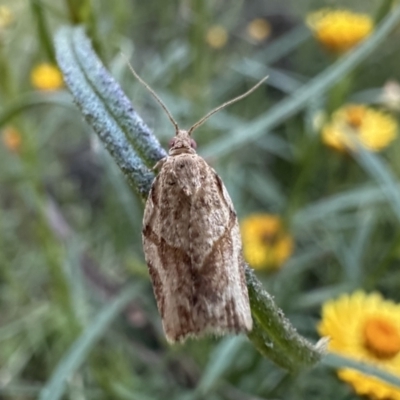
<point>107,109</point>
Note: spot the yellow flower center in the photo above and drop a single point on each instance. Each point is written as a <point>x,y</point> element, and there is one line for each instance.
<point>11,139</point>
<point>259,29</point>
<point>269,238</point>
<point>217,37</point>
<point>355,115</point>
<point>266,244</point>
<point>382,337</point>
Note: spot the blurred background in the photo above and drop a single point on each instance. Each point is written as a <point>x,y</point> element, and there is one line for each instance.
<point>317,221</point>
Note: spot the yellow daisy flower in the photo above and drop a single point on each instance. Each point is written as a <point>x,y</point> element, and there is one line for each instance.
<point>217,37</point>
<point>11,139</point>
<point>46,77</point>
<point>259,29</point>
<point>339,30</point>
<point>374,129</point>
<point>266,244</point>
<point>366,328</point>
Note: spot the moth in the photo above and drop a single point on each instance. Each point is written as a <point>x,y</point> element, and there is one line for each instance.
<point>192,242</point>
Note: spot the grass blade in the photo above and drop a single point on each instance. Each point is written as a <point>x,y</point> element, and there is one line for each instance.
<point>77,353</point>
<point>378,169</point>
<point>336,361</point>
<point>221,360</point>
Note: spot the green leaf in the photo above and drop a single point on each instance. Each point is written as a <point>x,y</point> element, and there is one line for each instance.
<point>273,335</point>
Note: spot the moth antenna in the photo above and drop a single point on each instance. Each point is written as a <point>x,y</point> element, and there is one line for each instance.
<point>160,102</point>
<point>228,103</point>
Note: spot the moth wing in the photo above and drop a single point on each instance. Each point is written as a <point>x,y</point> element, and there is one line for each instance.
<point>150,238</point>
<point>222,303</point>
<point>166,257</point>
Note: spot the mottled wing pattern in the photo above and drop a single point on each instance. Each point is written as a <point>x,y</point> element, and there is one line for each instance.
<point>193,250</point>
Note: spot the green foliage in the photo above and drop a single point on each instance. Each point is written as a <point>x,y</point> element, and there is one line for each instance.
<point>70,224</point>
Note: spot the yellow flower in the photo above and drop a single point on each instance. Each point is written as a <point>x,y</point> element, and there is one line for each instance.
<point>11,139</point>
<point>374,129</point>
<point>46,77</point>
<point>339,30</point>
<point>365,328</point>
<point>217,37</point>
<point>266,244</point>
<point>259,29</point>
<point>6,17</point>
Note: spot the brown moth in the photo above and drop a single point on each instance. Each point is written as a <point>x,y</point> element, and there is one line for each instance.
<point>192,243</point>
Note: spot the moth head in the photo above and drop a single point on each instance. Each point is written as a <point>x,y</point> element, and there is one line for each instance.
<point>182,143</point>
